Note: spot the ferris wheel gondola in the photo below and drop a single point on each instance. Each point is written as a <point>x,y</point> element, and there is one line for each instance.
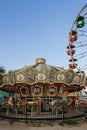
<point>77,47</point>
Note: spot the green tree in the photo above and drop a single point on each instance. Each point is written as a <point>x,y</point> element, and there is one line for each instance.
<point>2,70</point>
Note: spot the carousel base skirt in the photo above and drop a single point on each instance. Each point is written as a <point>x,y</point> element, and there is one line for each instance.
<point>42,116</point>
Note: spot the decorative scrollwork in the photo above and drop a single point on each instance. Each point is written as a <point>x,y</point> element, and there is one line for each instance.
<point>24,91</point>
<point>37,90</point>
<point>20,77</point>
<point>60,77</point>
<point>5,79</point>
<point>76,79</point>
<point>52,91</point>
<point>41,76</point>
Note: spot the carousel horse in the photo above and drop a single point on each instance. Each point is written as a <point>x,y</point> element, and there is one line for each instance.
<point>38,102</point>
<point>10,100</point>
<point>80,102</point>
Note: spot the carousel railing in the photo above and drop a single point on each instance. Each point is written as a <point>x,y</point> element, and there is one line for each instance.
<point>45,108</point>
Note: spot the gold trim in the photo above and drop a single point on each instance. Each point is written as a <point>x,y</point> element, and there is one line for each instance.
<point>39,93</point>
<point>21,79</point>
<point>30,75</point>
<point>41,78</point>
<point>84,83</point>
<point>51,79</point>
<point>50,93</point>
<point>26,91</point>
<point>60,77</point>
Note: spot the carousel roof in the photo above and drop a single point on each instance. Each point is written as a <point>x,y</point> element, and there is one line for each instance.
<point>42,66</point>
<point>44,74</point>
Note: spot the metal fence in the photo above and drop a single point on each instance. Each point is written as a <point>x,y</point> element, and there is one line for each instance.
<point>50,108</point>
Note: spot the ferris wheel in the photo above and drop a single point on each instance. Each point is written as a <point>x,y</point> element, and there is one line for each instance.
<point>77,47</point>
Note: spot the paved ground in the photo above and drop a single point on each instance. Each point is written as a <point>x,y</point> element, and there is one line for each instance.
<point>12,125</point>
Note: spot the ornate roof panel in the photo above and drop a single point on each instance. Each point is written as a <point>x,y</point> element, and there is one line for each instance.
<point>43,73</point>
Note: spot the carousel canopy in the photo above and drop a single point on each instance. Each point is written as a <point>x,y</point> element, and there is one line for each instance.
<point>42,73</point>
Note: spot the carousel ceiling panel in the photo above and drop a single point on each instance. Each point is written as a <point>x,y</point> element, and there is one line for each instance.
<point>69,76</point>
<point>42,73</point>
<point>19,77</point>
<point>51,76</point>
<point>41,77</point>
<point>6,79</point>
<point>30,76</point>
<point>60,77</point>
<point>11,77</point>
<point>84,83</point>
<point>25,75</point>
<point>77,79</point>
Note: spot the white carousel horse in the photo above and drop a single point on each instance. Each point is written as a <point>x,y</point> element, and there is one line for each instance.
<point>10,100</point>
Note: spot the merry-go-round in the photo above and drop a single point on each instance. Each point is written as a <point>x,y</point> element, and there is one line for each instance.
<point>41,91</point>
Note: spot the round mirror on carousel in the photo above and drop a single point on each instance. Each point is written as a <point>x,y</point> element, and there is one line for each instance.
<point>52,91</point>
<point>37,90</point>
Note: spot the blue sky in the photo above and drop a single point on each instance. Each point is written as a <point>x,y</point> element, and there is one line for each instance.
<point>31,29</point>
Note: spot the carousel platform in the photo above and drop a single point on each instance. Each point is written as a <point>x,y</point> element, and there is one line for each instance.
<point>43,115</point>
